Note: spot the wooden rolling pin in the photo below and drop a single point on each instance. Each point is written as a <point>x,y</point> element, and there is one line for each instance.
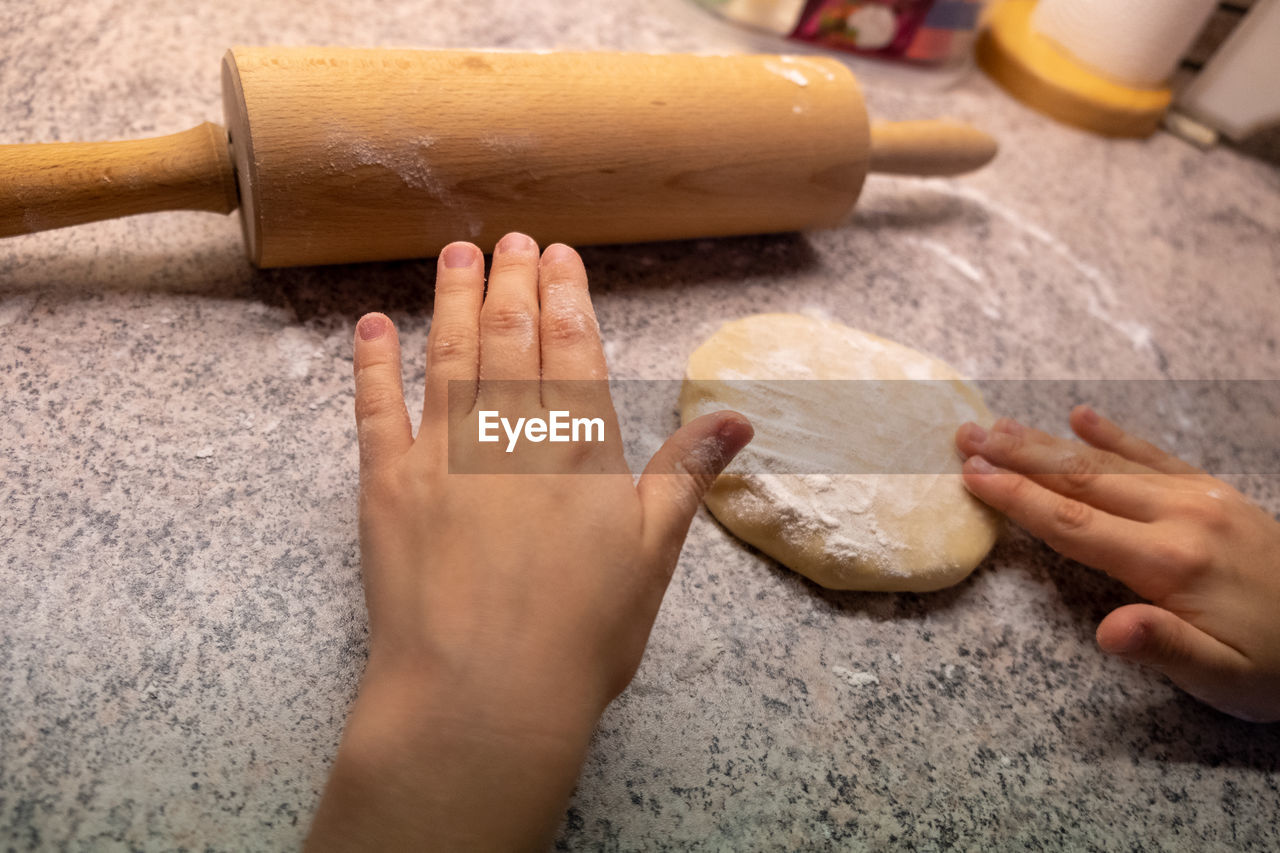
<point>340,155</point>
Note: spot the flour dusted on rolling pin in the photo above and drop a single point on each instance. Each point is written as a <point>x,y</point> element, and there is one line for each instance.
<point>343,155</point>
<point>855,484</point>
<point>347,155</point>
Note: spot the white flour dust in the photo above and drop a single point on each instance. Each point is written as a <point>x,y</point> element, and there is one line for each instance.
<point>1101,301</point>
<point>854,483</point>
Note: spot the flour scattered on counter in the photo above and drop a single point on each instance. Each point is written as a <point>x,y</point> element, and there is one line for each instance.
<point>15,308</point>
<point>818,312</point>
<point>855,679</point>
<point>951,259</point>
<point>298,348</point>
<point>989,307</point>
<point>204,453</point>
<point>278,315</point>
<point>612,353</point>
<point>1101,298</point>
<point>323,401</point>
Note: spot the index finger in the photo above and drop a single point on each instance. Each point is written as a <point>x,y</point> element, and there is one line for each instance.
<point>1121,547</point>
<point>1101,479</point>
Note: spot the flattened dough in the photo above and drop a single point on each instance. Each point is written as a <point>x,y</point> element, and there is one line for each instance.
<point>848,520</point>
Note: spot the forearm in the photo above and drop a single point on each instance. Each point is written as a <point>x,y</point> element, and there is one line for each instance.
<point>419,770</point>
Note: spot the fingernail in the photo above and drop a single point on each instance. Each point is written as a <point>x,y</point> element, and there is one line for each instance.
<point>1132,642</point>
<point>978,465</point>
<point>459,255</point>
<point>715,452</point>
<point>736,433</point>
<point>372,326</point>
<point>516,242</point>
<point>557,253</point>
<point>1088,415</point>
<point>975,434</point>
<point>1009,426</point>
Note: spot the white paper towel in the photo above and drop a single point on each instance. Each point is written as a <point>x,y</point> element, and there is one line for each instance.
<point>1137,42</point>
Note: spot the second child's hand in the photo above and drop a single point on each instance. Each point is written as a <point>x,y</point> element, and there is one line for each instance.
<point>1206,558</point>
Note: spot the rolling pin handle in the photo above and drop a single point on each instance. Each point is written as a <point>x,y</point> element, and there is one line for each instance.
<point>53,185</point>
<point>939,147</point>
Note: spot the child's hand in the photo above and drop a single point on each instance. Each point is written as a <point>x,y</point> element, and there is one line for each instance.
<point>505,610</point>
<point>1207,557</point>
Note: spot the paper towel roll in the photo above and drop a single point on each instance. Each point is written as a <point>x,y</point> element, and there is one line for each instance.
<point>1137,42</point>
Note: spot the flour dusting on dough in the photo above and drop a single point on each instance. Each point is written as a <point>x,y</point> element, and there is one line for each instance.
<point>855,484</point>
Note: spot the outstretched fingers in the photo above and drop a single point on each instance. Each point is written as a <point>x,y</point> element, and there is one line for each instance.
<point>453,344</point>
<point>1118,546</point>
<point>573,364</point>
<point>509,352</point>
<point>382,422</point>
<point>1107,435</point>
<point>1096,477</point>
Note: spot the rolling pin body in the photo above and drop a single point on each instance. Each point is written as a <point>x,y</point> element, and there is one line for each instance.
<point>339,155</point>
<point>352,155</point>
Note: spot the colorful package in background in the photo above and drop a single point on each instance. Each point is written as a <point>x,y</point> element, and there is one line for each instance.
<point>927,32</point>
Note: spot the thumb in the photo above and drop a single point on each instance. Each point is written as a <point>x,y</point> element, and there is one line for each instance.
<point>682,470</point>
<point>1205,667</point>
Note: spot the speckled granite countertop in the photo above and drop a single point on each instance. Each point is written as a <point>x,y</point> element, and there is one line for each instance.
<point>181,623</point>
